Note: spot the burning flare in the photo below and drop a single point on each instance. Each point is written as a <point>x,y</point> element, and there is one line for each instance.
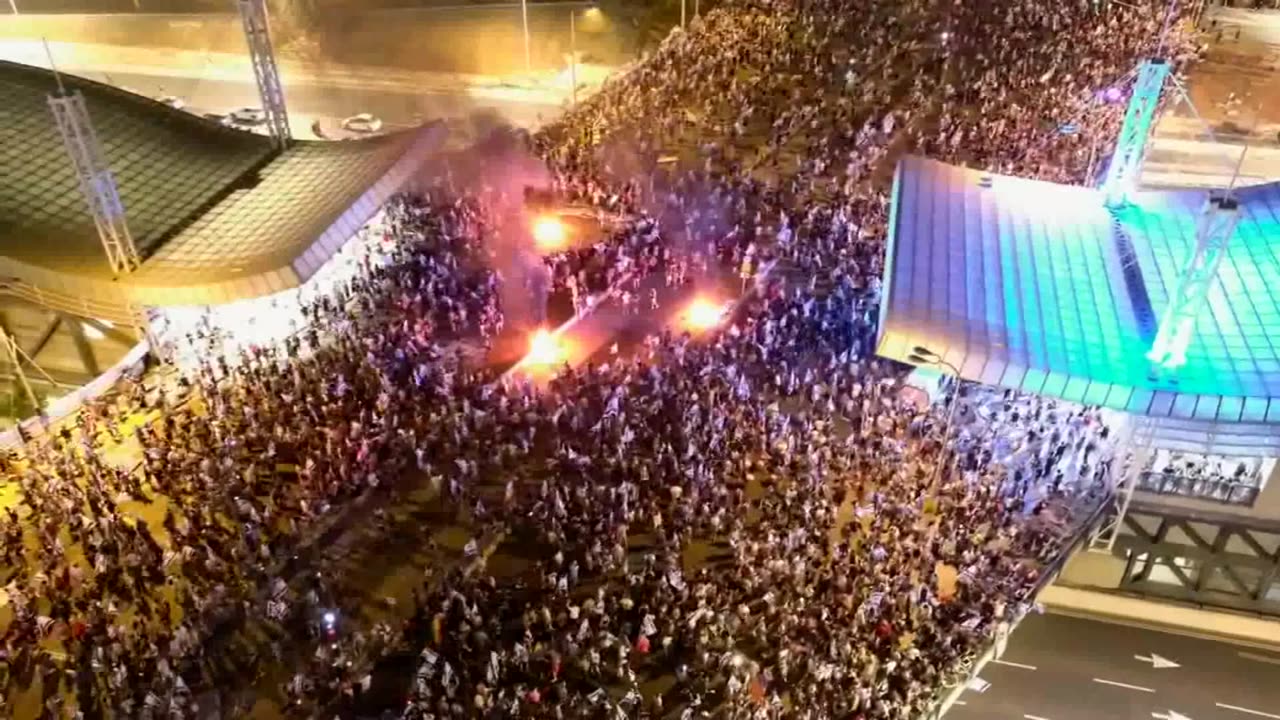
<point>543,349</point>
<point>549,233</point>
<point>703,314</point>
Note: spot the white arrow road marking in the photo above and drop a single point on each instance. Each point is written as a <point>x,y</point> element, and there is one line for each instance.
<point>1014,664</point>
<point>1156,661</point>
<point>1123,685</point>
<point>1171,715</point>
<point>1247,711</point>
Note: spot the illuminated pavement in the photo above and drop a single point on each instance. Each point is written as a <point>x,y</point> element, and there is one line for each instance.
<point>1236,93</point>
<point>1177,162</point>
<point>397,108</point>
<point>1059,667</point>
<point>220,82</point>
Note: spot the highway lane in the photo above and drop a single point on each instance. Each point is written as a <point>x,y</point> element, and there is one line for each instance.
<point>1060,667</point>
<point>395,107</point>
<point>1178,162</point>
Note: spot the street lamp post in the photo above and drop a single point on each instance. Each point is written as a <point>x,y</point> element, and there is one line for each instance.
<point>573,59</point>
<point>682,6</point>
<point>924,356</point>
<point>524,17</point>
<point>13,5</point>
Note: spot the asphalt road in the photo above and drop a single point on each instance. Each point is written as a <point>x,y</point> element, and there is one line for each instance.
<point>395,107</point>
<point>1058,667</point>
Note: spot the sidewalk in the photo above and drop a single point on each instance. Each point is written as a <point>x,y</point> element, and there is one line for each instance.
<point>1237,628</point>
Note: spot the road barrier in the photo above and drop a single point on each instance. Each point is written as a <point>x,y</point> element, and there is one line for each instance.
<point>970,668</point>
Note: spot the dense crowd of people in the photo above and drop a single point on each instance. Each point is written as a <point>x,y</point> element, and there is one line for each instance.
<point>760,522</point>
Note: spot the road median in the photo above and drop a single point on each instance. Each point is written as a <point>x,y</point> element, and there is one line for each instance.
<point>1168,616</point>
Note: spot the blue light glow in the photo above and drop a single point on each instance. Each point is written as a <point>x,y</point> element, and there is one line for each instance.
<point>1020,283</point>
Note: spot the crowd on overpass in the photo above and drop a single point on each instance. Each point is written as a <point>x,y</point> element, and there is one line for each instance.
<point>853,551</point>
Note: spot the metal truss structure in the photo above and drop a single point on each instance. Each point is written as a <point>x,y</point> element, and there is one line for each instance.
<point>1217,559</point>
<point>16,358</point>
<point>1217,225</point>
<point>97,184</point>
<point>1135,445</point>
<point>47,352</point>
<point>257,35</point>
<point>1131,144</point>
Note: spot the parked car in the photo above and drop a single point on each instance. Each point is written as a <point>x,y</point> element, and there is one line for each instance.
<point>251,117</point>
<point>172,101</point>
<point>362,123</point>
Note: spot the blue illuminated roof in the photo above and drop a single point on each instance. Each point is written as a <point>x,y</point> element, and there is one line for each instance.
<point>1037,286</point>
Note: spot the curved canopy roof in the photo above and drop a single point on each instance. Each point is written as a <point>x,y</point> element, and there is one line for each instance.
<point>218,214</point>
<point>1039,287</point>
<point>168,165</point>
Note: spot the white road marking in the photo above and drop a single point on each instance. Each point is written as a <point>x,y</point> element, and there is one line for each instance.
<point>1157,661</point>
<point>1034,717</point>
<point>959,702</point>
<point>1247,711</point>
<point>1123,685</point>
<point>1014,664</point>
<point>1260,658</point>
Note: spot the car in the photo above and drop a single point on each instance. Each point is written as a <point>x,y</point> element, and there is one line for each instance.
<point>362,123</point>
<point>172,101</point>
<point>252,117</point>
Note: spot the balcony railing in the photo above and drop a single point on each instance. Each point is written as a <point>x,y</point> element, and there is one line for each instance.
<point>1221,489</point>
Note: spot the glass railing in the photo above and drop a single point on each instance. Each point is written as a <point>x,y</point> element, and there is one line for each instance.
<point>1218,488</point>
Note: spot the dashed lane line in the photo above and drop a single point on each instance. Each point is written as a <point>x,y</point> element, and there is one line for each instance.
<point>1015,664</point>
<point>1247,711</point>
<point>1124,685</point>
<point>1260,658</point>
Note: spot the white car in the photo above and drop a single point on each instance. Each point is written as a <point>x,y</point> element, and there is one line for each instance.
<point>252,117</point>
<point>172,101</point>
<point>362,123</point>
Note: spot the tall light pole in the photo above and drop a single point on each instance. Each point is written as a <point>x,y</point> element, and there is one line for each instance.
<point>921,355</point>
<point>682,5</point>
<point>13,5</point>
<point>573,58</point>
<point>524,16</point>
